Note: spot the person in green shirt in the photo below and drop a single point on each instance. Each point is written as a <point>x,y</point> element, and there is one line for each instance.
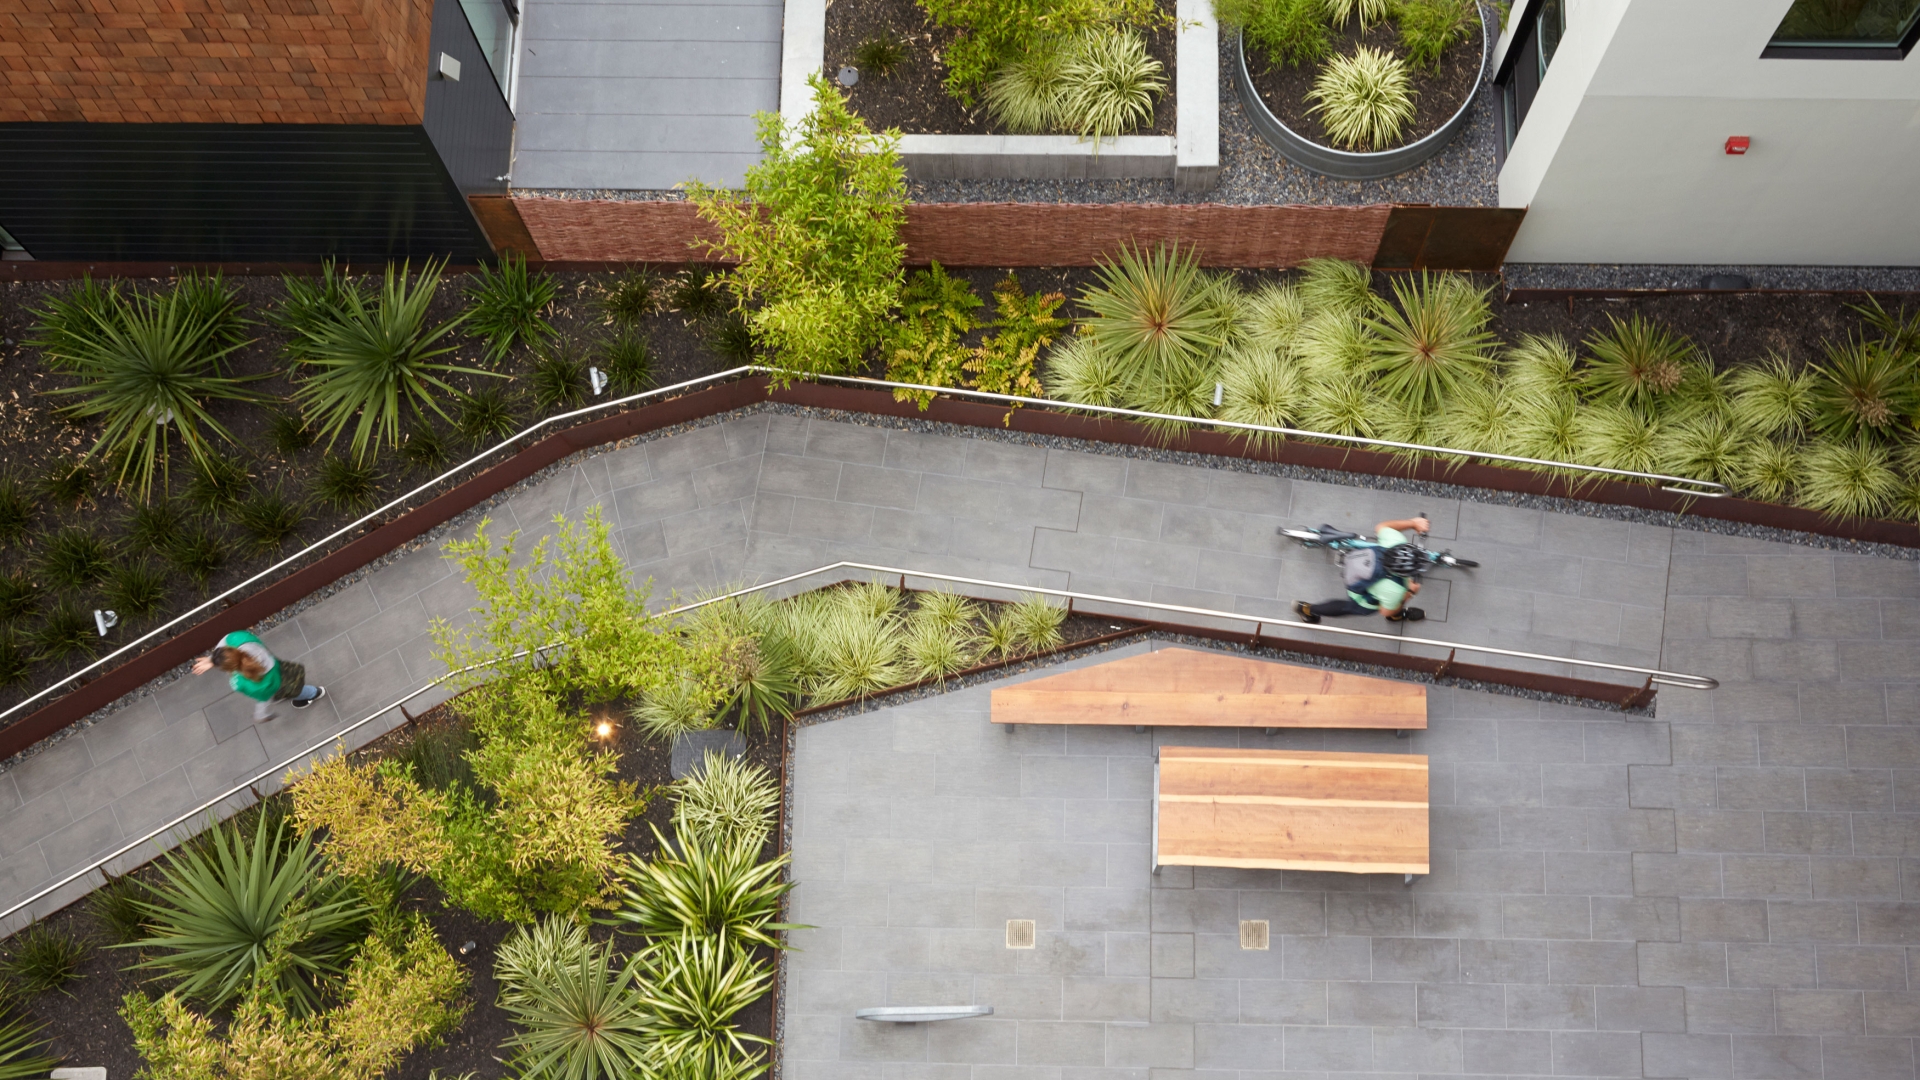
<point>255,672</point>
<point>1380,577</point>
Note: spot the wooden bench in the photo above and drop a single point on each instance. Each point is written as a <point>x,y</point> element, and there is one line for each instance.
<point>1194,688</point>
<point>1290,810</point>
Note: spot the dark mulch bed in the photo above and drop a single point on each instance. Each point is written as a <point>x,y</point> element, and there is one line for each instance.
<point>33,437</point>
<point>1437,94</point>
<point>914,98</point>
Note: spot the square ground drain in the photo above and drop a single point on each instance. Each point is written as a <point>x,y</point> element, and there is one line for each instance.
<point>1253,934</point>
<point>1020,933</point>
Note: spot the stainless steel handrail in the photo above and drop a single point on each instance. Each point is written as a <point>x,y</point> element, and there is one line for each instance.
<point>1701,488</point>
<point>1664,678</point>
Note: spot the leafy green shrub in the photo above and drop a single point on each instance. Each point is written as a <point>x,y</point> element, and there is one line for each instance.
<point>628,361</point>
<point>374,357</point>
<point>1036,623</point>
<point>1431,343</point>
<point>728,799</point>
<point>1427,27</point>
<point>705,886</point>
<point>1365,100</point>
<point>559,378</point>
<point>425,449</point>
<point>39,958</point>
<point>694,986</point>
<point>1847,479</point>
<point>222,908</point>
<point>1153,311</point>
<point>506,306</point>
<point>1637,362</point>
<point>22,1052</point>
<point>996,33</point>
<point>146,370</point>
<point>629,298</point>
<point>69,482</point>
<point>816,237</point>
<point>17,508</point>
<point>1368,11</point>
<point>137,589</point>
<point>1108,84</point>
<point>268,519</point>
<point>218,483</point>
<point>1863,390</point>
<point>115,906</point>
<point>74,558</point>
<point>879,54</point>
<point>20,596</point>
<point>699,293</point>
<point>924,346</point>
<point>1288,31</point>
<point>1335,287</point>
<point>1770,398</point>
<point>345,483</point>
<point>287,432</point>
<point>489,414</point>
<point>198,553</point>
<point>580,1016</point>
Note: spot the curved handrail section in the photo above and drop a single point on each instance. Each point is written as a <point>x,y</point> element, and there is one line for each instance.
<point>1697,488</point>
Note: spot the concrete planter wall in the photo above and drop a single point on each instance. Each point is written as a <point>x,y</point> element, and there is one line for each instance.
<point>1190,157</point>
<point>1346,164</point>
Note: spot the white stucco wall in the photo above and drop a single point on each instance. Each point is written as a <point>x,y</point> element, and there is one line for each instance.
<point>1621,158</point>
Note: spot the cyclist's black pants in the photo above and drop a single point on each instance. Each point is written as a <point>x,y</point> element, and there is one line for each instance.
<point>1342,606</point>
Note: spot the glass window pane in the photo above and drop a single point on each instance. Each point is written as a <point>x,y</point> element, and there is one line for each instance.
<point>1841,23</point>
<point>1550,27</point>
<point>495,31</point>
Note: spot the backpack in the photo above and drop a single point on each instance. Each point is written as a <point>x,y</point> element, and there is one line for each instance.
<point>1362,567</point>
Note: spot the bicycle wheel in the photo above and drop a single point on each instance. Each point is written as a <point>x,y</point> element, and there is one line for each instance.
<point>1468,563</point>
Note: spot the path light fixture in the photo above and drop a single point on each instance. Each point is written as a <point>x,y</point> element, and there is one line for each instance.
<point>849,76</point>
<point>104,621</point>
<point>603,730</point>
<point>596,379</point>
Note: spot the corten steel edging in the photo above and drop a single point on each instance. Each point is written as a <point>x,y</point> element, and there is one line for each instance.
<point>36,270</point>
<point>1357,460</point>
<point>1526,296</point>
<point>163,657</point>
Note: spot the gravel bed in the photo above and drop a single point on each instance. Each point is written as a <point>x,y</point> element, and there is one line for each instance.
<point>1799,278</point>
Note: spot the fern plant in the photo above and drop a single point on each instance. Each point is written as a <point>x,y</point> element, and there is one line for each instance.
<point>1365,100</point>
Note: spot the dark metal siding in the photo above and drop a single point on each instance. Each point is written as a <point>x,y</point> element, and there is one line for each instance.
<point>230,192</point>
<point>468,120</point>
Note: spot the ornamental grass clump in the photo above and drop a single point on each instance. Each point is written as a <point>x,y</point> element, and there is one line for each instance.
<point>1864,390</point>
<point>1108,84</point>
<point>1260,385</point>
<point>1616,437</point>
<point>729,799</point>
<point>1288,31</point>
<point>65,631</point>
<point>1770,470</point>
<point>1637,363</point>
<point>693,987</point>
<point>1847,479</point>
<point>578,1010</point>
<point>1431,343</point>
<point>1365,100</point>
<point>879,55</point>
<point>507,305</point>
<point>705,885</point>
<point>40,958</point>
<point>137,589</point>
<point>1772,399</point>
<point>1335,287</point>
<point>1427,27</point>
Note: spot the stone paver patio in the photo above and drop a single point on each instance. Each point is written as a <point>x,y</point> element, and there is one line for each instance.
<point>1769,827</point>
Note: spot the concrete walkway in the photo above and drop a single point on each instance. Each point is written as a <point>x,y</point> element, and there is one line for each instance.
<point>1808,643</point>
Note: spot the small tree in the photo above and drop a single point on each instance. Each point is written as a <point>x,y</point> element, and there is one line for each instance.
<point>816,235</point>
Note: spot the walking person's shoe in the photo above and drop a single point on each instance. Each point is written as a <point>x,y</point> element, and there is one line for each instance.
<point>311,700</point>
<point>1412,614</point>
<point>1305,611</point>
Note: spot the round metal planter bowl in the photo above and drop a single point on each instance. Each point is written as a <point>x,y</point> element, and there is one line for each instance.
<point>1346,164</point>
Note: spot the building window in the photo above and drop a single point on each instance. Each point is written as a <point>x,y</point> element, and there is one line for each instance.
<point>492,25</point>
<point>1549,27</point>
<point>1846,29</point>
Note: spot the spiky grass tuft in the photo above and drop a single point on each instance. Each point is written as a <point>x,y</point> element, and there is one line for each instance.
<point>1079,370</point>
<point>1335,287</point>
<point>1847,479</point>
<point>1864,390</point>
<point>1770,398</point>
<point>1548,429</point>
<point>1707,447</point>
<point>1341,406</point>
<point>680,705</point>
<point>1153,310</point>
<point>1333,346</point>
<point>1108,83</point>
<point>1273,316</point>
<point>1260,385</point>
<point>1637,362</point>
<point>1769,471</point>
<point>1482,419</point>
<point>1542,368</point>
<point>1365,100</point>
<point>1616,437</point>
<point>1431,343</point>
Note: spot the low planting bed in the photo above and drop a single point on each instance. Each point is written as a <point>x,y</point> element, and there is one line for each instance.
<point>1437,93</point>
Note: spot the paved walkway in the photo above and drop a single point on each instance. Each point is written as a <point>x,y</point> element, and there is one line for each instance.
<point>1820,652</point>
<point>643,94</point>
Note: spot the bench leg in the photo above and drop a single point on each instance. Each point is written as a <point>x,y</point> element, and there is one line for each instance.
<point>1139,727</point>
<point>1270,730</point>
<point>1411,878</point>
<point>1402,733</point>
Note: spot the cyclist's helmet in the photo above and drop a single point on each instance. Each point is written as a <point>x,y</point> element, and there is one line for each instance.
<point>1402,560</point>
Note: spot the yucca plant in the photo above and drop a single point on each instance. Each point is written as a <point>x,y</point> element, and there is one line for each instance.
<point>1335,287</point>
<point>222,906</point>
<point>268,519</point>
<point>17,508</point>
<point>20,596</point>
<point>1432,341</point>
<point>1617,437</point>
<point>507,304</point>
<point>23,1054</point>
<point>39,958</point>
<point>694,986</point>
<point>677,706</point>
<point>763,679</point>
<point>729,799</point>
<point>145,371</point>
<point>1365,100</point>
<point>934,652</point>
<point>489,414</point>
<point>426,449</point>
<point>559,378</point>
<point>68,482</point>
<point>1080,370</point>
<point>74,558</point>
<point>218,484</point>
<point>1153,311</point>
<point>64,631</point>
<point>1706,448</point>
<point>1864,390</point>
<point>345,483</point>
<point>1542,367</point>
<point>1025,98</point>
<point>1637,362</point>
<point>1847,479</point>
<point>1036,623</point>
<point>629,298</point>
<point>137,589</point>
<point>704,886</point>
<point>628,361</point>
<point>579,1015</point>
<point>377,356</point>
<point>1900,332</point>
<point>1770,470</point>
<point>1770,398</point>
<point>1108,84</point>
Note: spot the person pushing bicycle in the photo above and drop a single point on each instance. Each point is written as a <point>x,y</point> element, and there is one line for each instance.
<point>1380,576</point>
